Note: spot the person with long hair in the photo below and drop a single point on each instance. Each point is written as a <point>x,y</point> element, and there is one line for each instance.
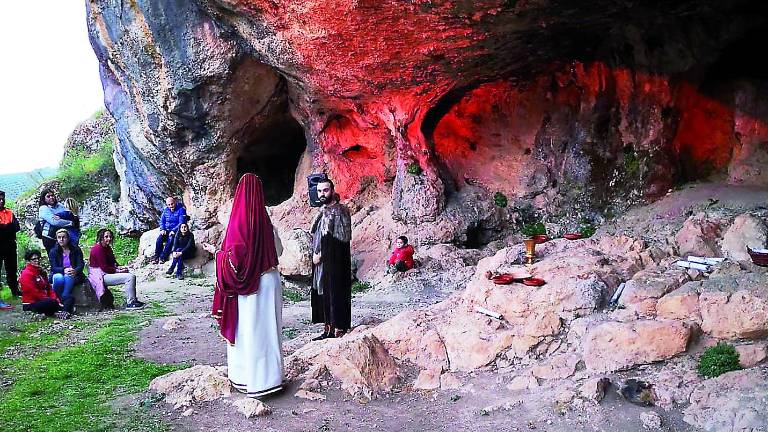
<point>183,249</point>
<point>67,266</point>
<point>248,298</point>
<point>48,212</point>
<point>104,271</point>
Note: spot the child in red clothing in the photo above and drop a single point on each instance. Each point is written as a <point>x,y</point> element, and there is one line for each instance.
<point>37,295</point>
<point>402,257</point>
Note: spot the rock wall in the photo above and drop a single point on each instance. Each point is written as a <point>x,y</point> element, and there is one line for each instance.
<point>571,112</point>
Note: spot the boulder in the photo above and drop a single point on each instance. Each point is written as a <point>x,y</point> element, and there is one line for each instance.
<point>734,401</point>
<point>449,381</point>
<point>642,292</point>
<point>681,304</point>
<point>558,367</point>
<point>359,361</point>
<point>746,230</point>
<point>147,243</point>
<point>296,261</point>
<point>525,381</point>
<point>650,420</point>
<point>752,354</point>
<point>196,384</point>
<point>699,236</point>
<point>250,407</point>
<point>428,379</point>
<point>594,388</point>
<point>741,314</point>
<point>309,395</point>
<point>612,346</point>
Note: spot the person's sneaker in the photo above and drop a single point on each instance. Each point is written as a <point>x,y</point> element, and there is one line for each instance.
<point>180,276</point>
<point>62,315</point>
<point>169,272</point>
<point>5,306</point>
<point>135,305</point>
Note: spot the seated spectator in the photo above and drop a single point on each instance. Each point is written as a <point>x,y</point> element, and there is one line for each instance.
<point>49,211</point>
<point>104,271</point>
<point>173,215</point>
<point>36,292</point>
<point>402,257</point>
<point>67,266</point>
<point>183,248</point>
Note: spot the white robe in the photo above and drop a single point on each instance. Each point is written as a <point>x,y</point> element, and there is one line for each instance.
<point>255,361</point>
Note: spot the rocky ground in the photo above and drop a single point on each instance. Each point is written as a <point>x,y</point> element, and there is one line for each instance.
<point>422,358</point>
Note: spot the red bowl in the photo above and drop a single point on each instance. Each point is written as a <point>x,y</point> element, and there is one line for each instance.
<point>540,238</point>
<point>503,279</point>
<point>572,236</point>
<point>532,281</point>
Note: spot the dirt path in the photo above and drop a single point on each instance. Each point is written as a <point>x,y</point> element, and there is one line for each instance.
<point>482,403</point>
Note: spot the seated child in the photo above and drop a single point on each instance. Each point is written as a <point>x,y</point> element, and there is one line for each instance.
<point>402,257</point>
<point>183,248</point>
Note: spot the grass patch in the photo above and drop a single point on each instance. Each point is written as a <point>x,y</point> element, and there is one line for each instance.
<point>359,286</point>
<point>81,174</point>
<point>500,200</point>
<point>414,169</point>
<point>290,333</point>
<point>70,389</point>
<point>718,360</point>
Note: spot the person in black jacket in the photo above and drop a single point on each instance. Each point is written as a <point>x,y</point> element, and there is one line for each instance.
<point>9,226</point>
<point>183,248</point>
<point>67,266</point>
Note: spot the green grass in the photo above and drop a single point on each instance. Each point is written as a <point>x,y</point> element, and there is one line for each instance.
<point>81,174</point>
<point>71,389</point>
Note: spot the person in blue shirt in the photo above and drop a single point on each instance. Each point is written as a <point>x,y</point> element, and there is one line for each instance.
<point>49,211</point>
<point>173,216</point>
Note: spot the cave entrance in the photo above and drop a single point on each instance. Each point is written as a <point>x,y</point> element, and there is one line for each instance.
<point>273,153</point>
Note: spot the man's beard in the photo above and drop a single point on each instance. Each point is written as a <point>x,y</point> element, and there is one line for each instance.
<point>325,199</point>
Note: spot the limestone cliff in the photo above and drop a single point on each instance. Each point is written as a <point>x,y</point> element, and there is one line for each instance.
<point>571,109</point>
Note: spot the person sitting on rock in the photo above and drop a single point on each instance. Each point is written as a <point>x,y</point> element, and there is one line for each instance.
<point>183,248</point>
<point>402,257</point>
<point>37,295</point>
<point>173,215</point>
<point>104,271</point>
<point>67,266</point>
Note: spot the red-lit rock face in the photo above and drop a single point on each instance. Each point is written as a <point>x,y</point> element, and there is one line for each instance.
<point>568,109</point>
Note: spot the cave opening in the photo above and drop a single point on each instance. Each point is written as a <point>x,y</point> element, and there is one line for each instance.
<point>273,153</point>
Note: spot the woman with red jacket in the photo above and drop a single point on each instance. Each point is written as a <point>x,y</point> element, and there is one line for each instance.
<point>402,257</point>
<point>37,295</point>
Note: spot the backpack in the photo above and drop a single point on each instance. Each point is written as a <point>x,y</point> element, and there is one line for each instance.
<point>38,229</point>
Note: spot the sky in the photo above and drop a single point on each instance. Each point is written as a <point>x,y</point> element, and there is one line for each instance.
<point>49,79</point>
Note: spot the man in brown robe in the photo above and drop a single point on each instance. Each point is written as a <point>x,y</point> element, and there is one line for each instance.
<point>331,295</point>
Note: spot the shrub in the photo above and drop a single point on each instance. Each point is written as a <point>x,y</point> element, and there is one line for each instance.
<point>414,168</point>
<point>587,229</point>
<point>718,360</point>
<point>81,174</point>
<point>500,200</point>
<point>359,286</point>
<point>533,228</point>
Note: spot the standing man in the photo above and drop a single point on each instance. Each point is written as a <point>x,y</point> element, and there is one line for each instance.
<point>173,216</point>
<point>9,226</point>
<point>332,269</point>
